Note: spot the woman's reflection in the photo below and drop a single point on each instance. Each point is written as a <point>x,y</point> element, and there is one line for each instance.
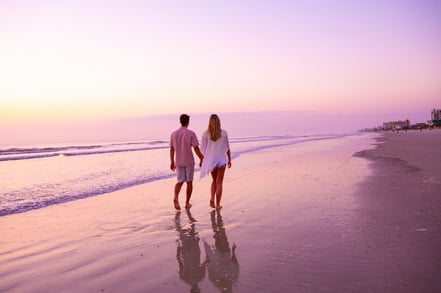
<point>222,264</point>
<point>188,252</point>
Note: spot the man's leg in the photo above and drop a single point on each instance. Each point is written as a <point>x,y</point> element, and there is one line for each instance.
<point>189,192</point>
<point>176,198</point>
<point>189,173</point>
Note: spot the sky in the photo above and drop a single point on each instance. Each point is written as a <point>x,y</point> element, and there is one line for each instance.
<point>89,60</point>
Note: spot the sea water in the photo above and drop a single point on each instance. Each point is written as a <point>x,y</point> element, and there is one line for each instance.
<point>36,176</point>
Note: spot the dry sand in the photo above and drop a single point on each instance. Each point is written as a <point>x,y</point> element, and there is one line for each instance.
<point>302,218</point>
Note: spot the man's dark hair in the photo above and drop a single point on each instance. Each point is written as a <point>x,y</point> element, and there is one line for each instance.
<point>184,119</point>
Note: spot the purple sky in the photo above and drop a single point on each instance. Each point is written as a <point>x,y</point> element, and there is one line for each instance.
<point>75,61</point>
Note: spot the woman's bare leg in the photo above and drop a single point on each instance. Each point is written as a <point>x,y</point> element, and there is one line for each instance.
<point>219,182</point>
<point>213,188</point>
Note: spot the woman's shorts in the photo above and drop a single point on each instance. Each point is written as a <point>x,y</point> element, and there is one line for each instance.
<point>185,174</point>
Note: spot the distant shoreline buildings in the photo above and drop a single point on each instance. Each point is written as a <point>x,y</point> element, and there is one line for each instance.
<point>398,125</point>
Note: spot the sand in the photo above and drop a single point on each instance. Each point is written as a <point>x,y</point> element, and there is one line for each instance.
<point>302,218</point>
<point>400,219</point>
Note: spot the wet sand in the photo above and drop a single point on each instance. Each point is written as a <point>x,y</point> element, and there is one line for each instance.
<point>400,219</point>
<point>302,218</point>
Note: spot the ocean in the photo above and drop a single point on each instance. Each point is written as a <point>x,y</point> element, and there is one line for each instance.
<point>36,176</point>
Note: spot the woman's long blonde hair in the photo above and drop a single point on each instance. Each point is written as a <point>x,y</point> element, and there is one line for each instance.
<point>214,127</point>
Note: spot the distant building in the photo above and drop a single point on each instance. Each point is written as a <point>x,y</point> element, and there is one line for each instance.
<point>436,118</point>
<point>436,114</point>
<point>392,125</point>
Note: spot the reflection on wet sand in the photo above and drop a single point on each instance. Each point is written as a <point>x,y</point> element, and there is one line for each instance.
<point>191,270</point>
<point>221,263</point>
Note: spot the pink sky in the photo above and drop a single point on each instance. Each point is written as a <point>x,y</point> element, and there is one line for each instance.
<point>67,61</point>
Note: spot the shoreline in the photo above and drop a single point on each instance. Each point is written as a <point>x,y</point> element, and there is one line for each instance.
<point>300,217</point>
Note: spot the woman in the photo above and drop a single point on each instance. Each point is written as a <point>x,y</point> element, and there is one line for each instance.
<point>216,149</point>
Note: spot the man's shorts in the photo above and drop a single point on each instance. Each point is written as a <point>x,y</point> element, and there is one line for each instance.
<point>185,174</point>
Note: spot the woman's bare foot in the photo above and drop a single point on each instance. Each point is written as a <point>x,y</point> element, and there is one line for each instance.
<point>212,204</point>
<point>188,206</point>
<point>218,207</point>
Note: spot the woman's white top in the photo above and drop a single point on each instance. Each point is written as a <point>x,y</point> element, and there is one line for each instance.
<point>214,152</point>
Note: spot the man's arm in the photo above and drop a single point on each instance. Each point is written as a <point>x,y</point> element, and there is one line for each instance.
<point>172,159</point>
<point>199,154</point>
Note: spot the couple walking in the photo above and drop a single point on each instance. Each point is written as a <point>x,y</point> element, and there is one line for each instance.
<point>214,156</point>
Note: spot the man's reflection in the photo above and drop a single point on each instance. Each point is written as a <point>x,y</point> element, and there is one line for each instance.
<point>222,264</point>
<point>188,252</point>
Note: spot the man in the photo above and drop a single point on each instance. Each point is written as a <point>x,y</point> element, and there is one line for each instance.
<point>181,143</point>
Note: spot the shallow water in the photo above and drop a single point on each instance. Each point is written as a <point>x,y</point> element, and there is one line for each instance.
<point>37,176</point>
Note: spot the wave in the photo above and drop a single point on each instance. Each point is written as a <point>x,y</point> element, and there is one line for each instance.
<point>284,141</point>
<point>13,154</point>
<point>27,205</point>
<point>113,151</point>
<point>16,158</point>
<point>15,151</point>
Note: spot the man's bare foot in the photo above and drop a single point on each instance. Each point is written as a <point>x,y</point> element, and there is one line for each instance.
<point>188,206</point>
<point>218,207</point>
<point>212,204</point>
<point>176,203</point>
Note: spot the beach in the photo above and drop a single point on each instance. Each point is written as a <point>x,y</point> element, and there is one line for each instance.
<point>400,219</point>
<point>353,214</point>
